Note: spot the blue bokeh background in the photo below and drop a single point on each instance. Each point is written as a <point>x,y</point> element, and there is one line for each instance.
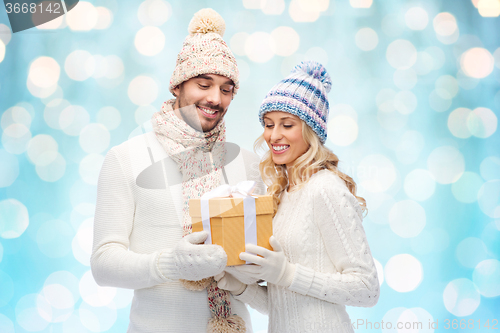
<point>414,104</point>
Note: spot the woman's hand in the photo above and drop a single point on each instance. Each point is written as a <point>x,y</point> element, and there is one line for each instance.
<point>273,266</point>
<point>228,282</point>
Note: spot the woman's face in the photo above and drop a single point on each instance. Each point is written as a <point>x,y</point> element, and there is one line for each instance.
<point>283,135</point>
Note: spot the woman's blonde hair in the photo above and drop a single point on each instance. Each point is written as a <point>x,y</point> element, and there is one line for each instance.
<point>317,157</point>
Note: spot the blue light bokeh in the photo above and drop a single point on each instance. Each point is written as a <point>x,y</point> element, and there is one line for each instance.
<point>414,103</point>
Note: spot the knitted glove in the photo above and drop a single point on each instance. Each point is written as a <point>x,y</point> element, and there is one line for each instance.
<point>241,275</point>
<point>228,282</point>
<point>192,260</point>
<point>272,266</point>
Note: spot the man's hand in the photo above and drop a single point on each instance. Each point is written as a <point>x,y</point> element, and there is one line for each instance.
<point>196,261</point>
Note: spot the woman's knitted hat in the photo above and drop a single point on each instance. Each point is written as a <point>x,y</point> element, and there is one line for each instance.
<point>303,93</point>
<point>204,51</point>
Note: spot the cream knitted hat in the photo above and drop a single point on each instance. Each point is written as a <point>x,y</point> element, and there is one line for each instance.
<point>204,51</point>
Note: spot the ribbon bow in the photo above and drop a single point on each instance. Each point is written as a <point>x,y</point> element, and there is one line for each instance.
<point>241,190</point>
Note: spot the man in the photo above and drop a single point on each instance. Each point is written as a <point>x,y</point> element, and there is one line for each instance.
<point>143,193</point>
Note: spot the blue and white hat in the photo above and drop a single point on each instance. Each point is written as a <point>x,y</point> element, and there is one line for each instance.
<point>303,93</point>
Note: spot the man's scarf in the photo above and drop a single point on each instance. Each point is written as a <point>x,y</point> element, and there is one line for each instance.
<point>200,157</point>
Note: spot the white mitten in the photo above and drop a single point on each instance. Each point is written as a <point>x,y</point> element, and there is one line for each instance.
<point>191,260</point>
<point>228,282</point>
<point>273,266</point>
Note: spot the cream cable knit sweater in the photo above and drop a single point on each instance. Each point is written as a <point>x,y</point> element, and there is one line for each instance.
<point>320,230</point>
<point>135,230</point>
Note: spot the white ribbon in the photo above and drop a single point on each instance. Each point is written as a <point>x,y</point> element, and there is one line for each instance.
<point>243,190</point>
<point>205,219</point>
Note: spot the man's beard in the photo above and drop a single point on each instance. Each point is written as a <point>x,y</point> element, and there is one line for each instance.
<point>190,114</point>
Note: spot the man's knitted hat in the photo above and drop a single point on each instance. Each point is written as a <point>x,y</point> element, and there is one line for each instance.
<point>204,51</point>
<point>303,93</point>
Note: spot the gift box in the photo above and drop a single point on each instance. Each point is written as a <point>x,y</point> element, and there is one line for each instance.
<point>235,222</point>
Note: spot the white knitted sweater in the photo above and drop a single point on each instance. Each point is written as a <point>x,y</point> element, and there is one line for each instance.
<point>135,229</point>
<point>320,230</point>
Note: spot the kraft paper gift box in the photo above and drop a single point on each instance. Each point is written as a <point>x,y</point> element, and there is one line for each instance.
<point>227,224</point>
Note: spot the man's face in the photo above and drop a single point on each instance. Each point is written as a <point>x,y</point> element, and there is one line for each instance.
<point>202,101</point>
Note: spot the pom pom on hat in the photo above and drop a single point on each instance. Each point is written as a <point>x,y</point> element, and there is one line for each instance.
<point>207,20</point>
<point>317,71</point>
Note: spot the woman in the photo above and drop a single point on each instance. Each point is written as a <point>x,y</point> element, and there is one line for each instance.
<point>321,260</point>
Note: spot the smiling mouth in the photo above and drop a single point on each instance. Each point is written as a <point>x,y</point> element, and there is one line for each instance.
<point>210,113</point>
<point>279,149</point>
